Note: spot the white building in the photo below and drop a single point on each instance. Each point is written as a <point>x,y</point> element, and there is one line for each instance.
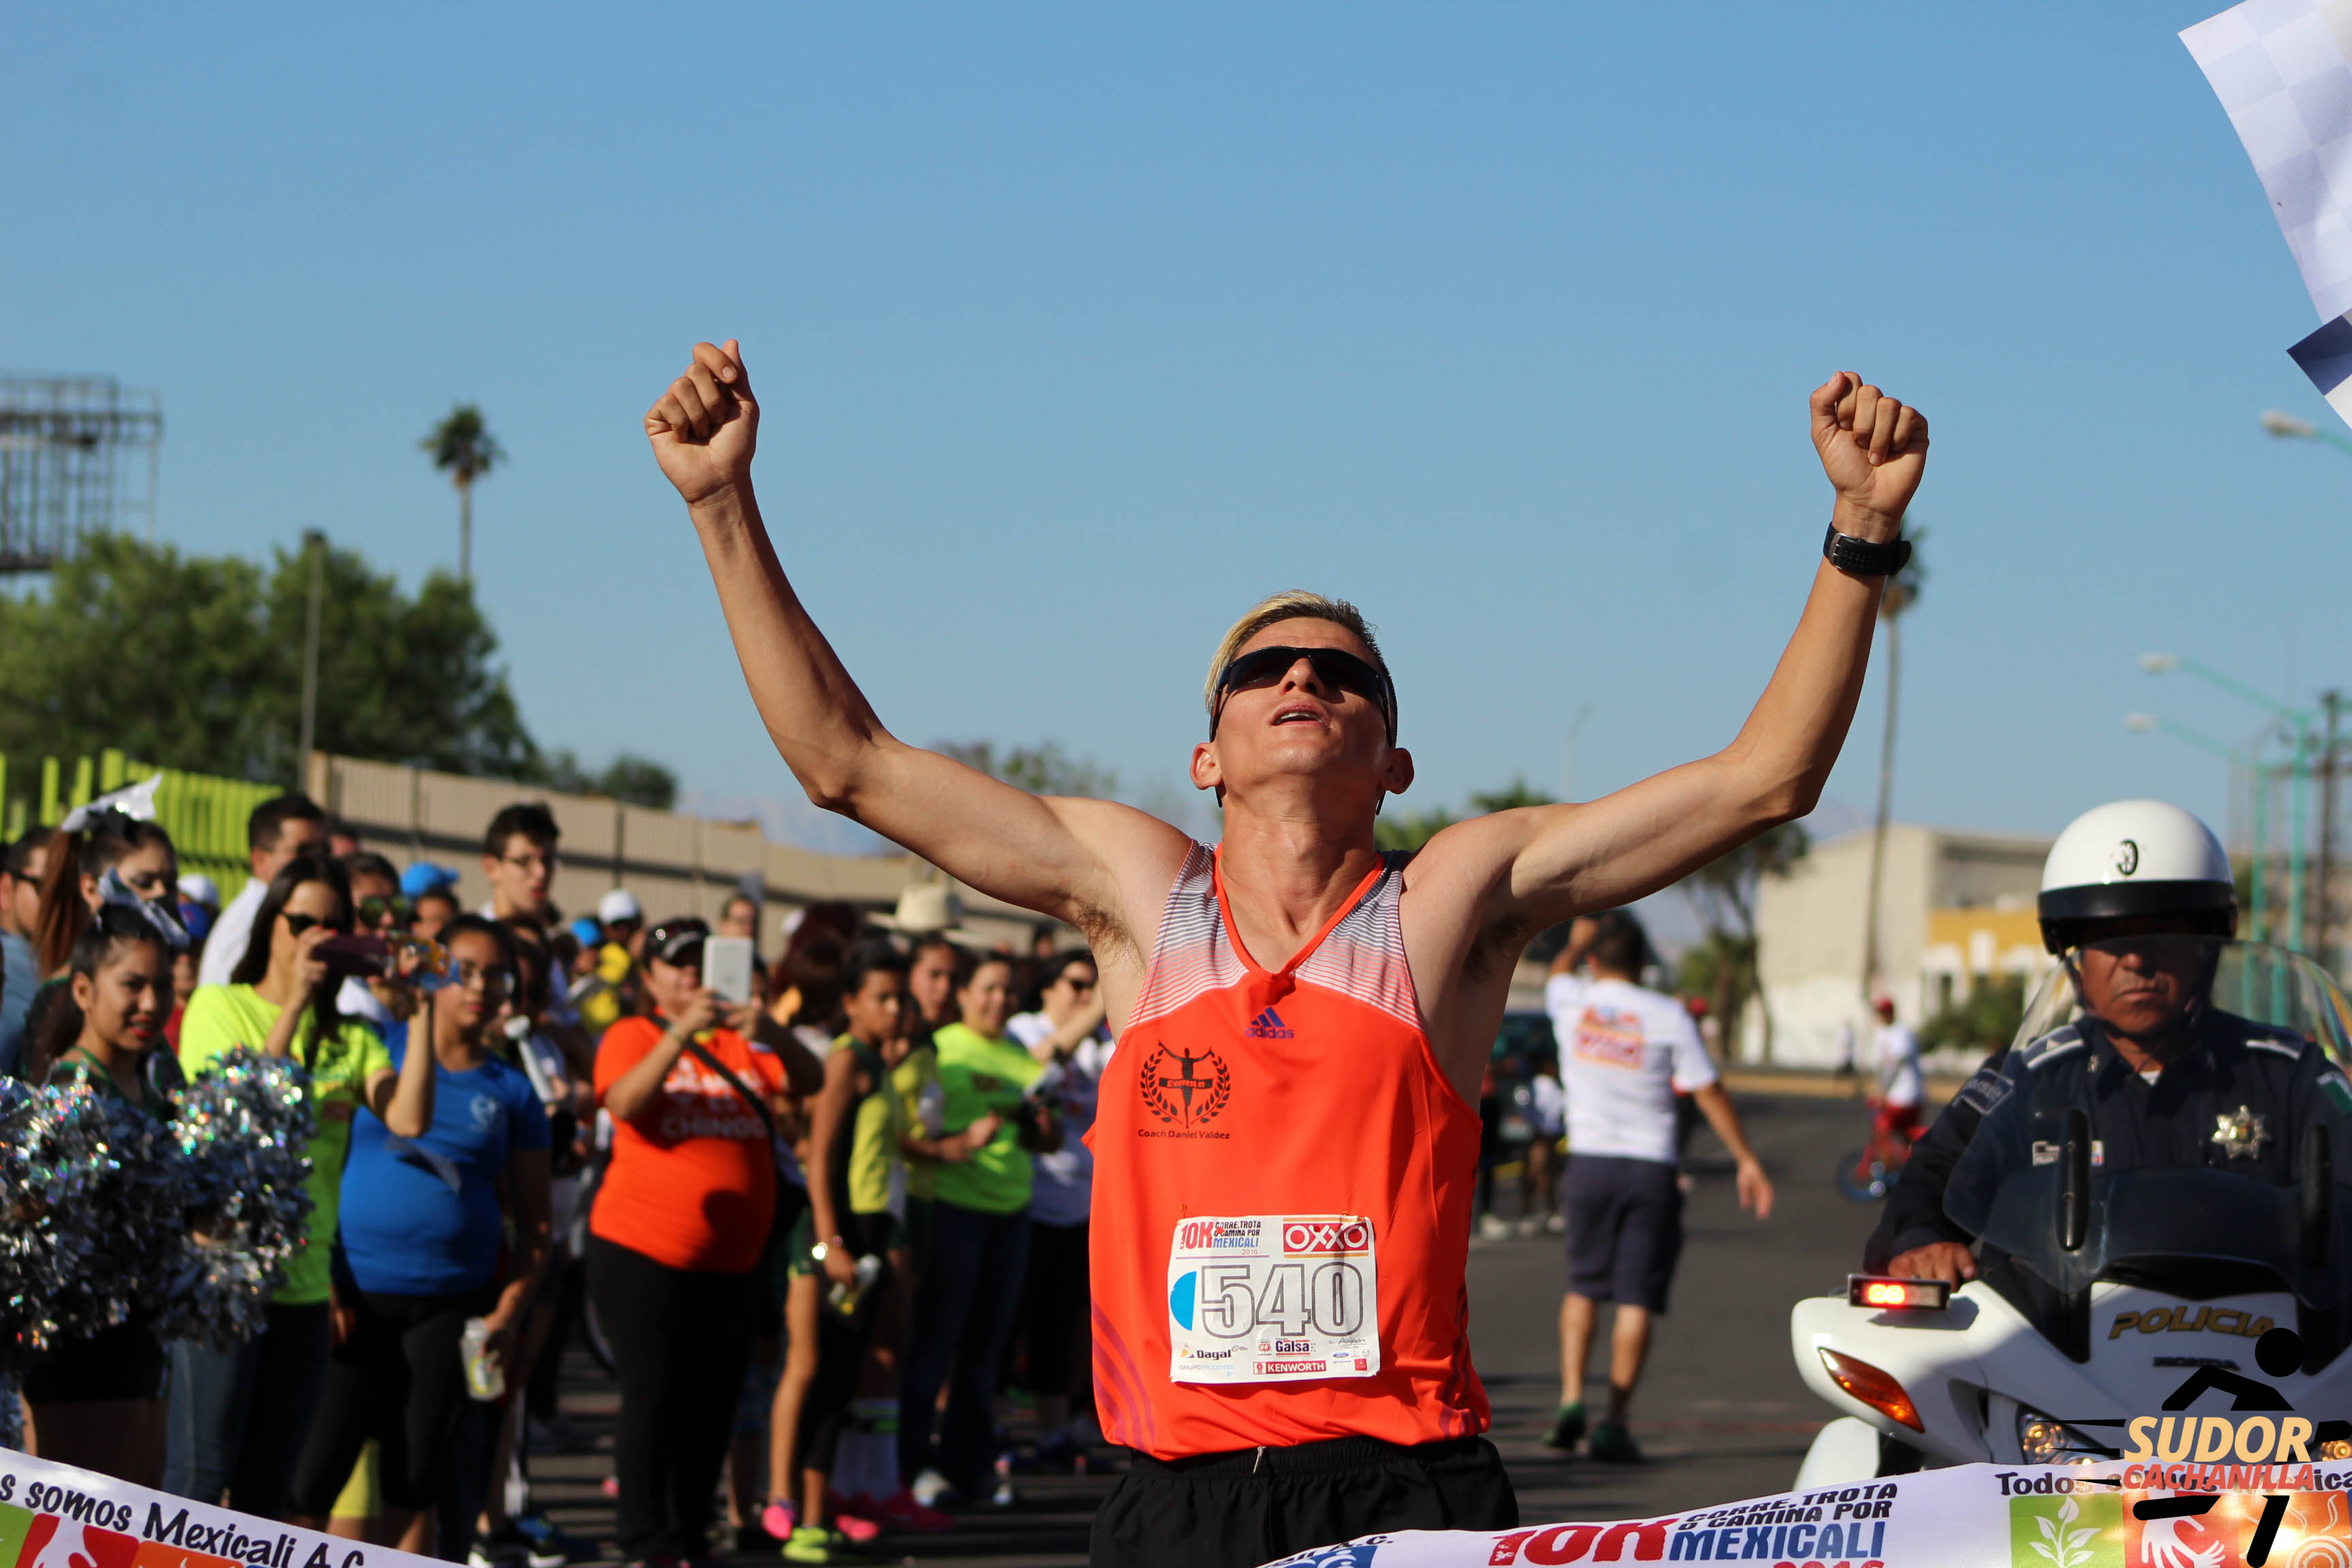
<point>1954,910</point>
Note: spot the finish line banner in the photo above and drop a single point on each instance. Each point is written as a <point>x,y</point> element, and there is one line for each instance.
<point>2110,1515</point>
<point>54,1516</point>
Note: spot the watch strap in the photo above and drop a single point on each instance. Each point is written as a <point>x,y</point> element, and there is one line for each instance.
<point>1862,558</point>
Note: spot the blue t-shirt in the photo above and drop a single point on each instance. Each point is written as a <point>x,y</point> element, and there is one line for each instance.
<point>421,1216</point>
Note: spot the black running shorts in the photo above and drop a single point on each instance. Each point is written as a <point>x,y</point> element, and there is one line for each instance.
<point>1624,1229</point>
<point>1253,1505</point>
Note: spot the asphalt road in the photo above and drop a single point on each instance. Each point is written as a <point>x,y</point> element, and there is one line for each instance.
<point>1721,1413</point>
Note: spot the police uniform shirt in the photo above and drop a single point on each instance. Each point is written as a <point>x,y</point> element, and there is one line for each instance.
<point>2234,1101</point>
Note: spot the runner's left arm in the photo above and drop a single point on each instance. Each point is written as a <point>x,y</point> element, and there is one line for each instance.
<point>1539,865</point>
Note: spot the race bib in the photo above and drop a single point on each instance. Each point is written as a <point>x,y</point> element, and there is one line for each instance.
<point>1273,1298</point>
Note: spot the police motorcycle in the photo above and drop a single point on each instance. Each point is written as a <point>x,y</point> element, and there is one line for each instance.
<point>2105,1285</point>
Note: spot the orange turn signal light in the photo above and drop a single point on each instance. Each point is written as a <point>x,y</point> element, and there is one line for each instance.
<point>1872,1387</point>
<point>1898,1295</point>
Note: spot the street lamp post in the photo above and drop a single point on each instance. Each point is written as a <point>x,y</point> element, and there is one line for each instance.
<point>2297,723</point>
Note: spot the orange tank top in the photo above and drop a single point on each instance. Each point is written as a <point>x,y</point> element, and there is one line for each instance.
<point>1282,1194</point>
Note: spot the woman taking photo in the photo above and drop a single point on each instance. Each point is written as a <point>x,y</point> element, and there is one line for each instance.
<point>97,1402</point>
<point>980,1241</point>
<point>238,1415</point>
<point>422,1227</point>
<point>681,1224</point>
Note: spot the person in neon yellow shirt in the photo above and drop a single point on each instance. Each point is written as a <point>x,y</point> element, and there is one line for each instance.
<point>239,1416</point>
<point>980,1244</point>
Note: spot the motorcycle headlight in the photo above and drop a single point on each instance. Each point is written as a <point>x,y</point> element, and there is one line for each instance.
<point>2043,1440</point>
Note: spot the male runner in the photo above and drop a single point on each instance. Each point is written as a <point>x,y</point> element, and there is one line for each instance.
<point>1285,1145</point>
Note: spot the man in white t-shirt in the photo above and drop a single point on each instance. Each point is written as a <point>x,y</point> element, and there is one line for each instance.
<point>1901,1085</point>
<point>1624,1052</point>
<point>281,828</point>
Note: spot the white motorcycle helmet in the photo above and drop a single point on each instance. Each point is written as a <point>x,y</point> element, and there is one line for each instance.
<point>2133,858</point>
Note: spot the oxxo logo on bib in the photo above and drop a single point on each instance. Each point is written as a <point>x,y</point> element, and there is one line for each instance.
<point>1327,1236</point>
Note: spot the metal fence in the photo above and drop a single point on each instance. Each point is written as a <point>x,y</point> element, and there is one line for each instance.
<point>205,815</point>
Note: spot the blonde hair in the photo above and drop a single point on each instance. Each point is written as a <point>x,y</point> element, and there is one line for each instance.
<point>1291,604</point>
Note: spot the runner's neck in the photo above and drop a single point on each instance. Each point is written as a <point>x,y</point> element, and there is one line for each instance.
<point>1283,887</point>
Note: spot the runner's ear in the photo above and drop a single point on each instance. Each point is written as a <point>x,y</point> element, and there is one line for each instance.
<point>1396,776</point>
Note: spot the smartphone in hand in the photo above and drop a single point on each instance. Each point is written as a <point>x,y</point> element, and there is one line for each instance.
<point>727,967</point>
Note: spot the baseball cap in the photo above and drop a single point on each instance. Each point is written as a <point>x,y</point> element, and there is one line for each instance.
<point>586,931</point>
<point>425,876</point>
<point>677,937</point>
<point>195,887</point>
<point>620,904</point>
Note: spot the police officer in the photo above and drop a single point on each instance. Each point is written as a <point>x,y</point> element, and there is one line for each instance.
<point>2166,1078</point>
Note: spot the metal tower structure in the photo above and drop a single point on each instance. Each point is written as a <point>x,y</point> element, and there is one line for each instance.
<point>76,453</point>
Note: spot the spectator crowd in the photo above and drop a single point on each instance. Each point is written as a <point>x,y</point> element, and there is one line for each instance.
<point>822,1211</point>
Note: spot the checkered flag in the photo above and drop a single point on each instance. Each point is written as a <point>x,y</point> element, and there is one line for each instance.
<point>2283,70</point>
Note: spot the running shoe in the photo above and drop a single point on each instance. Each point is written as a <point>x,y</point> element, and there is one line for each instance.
<point>1567,1426</point>
<point>1556,1223</point>
<point>779,1519</point>
<point>851,1522</point>
<point>485,1553</point>
<point>814,1543</point>
<point>545,1537</point>
<point>933,1489</point>
<point>1613,1444</point>
<point>1493,1226</point>
<point>507,1546</point>
<point>900,1512</point>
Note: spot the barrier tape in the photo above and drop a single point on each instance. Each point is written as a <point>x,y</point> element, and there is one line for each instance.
<point>2107,1515</point>
<point>54,1516</point>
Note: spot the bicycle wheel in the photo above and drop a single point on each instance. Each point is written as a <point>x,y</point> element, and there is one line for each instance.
<point>1861,1184</point>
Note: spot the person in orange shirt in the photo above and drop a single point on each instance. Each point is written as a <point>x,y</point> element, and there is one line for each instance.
<point>1285,1133</point>
<point>680,1226</point>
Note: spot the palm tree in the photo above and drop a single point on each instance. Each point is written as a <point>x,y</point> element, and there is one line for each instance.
<point>463,448</point>
<point>1902,593</point>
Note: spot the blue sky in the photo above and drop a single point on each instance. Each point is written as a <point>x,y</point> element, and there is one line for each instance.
<point>1078,328</point>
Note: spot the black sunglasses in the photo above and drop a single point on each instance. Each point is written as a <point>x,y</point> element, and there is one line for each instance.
<point>374,910</point>
<point>1335,668</point>
<point>297,924</point>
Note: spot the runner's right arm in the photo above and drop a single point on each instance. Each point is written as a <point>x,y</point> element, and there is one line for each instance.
<point>1103,867</point>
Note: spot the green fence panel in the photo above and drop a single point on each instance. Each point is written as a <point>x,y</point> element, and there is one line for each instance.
<point>205,814</point>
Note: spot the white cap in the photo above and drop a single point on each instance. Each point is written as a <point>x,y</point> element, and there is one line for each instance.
<point>199,888</point>
<point>620,904</point>
<point>2134,857</point>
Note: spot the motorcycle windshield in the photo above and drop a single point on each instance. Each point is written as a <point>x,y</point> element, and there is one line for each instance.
<point>2246,1186</point>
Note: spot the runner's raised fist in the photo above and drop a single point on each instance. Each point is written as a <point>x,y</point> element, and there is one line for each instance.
<point>1873,449</point>
<point>705,427</point>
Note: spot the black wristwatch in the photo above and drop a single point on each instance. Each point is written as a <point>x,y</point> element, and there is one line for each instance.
<point>1862,558</point>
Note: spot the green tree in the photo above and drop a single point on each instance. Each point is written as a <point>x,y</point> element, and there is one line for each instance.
<point>463,448</point>
<point>195,661</point>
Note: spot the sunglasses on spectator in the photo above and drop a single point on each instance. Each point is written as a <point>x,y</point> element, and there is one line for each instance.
<point>466,972</point>
<point>297,924</point>
<point>375,911</point>
<point>1334,668</point>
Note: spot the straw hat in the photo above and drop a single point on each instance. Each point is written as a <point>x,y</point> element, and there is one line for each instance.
<point>926,909</point>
